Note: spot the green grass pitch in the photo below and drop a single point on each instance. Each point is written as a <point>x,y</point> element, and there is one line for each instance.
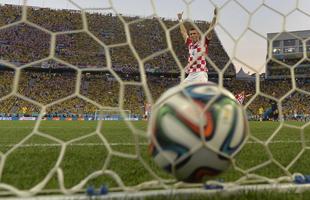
<point>27,165</point>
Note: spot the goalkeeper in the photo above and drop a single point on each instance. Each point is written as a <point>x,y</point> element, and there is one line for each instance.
<point>197,51</point>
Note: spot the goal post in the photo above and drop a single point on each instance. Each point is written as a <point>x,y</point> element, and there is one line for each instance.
<point>114,114</point>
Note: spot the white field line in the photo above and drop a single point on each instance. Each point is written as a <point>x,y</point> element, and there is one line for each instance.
<point>48,127</point>
<point>73,144</point>
<point>125,144</point>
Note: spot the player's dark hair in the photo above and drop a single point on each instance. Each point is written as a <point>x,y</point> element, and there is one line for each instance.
<point>194,29</point>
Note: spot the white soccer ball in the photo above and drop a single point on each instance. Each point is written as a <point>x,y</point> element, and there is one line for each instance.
<point>195,130</point>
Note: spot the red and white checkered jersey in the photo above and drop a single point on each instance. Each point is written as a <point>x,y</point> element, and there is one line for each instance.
<point>196,57</point>
<point>240,98</point>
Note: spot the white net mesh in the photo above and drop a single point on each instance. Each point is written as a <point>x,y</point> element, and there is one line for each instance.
<point>68,64</point>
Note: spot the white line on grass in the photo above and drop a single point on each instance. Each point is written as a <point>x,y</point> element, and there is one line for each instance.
<point>127,144</point>
<point>73,144</point>
<point>48,127</point>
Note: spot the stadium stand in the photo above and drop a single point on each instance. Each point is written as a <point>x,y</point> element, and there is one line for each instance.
<point>50,81</point>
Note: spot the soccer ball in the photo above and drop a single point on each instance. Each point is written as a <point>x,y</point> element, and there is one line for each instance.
<point>195,130</point>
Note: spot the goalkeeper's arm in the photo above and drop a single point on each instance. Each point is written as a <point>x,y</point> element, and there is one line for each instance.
<point>211,27</point>
<point>182,27</point>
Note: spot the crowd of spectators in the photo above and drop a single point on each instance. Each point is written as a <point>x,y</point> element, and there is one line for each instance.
<point>45,86</point>
<point>20,44</point>
<point>282,69</point>
<point>9,14</point>
<point>6,80</point>
<point>23,43</point>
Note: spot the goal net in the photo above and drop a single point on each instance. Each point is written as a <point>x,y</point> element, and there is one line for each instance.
<point>114,115</point>
<point>62,65</point>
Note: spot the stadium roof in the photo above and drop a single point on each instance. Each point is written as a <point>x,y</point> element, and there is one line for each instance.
<point>289,35</point>
<point>241,75</point>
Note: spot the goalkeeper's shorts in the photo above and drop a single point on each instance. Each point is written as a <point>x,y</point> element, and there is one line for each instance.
<point>196,77</point>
